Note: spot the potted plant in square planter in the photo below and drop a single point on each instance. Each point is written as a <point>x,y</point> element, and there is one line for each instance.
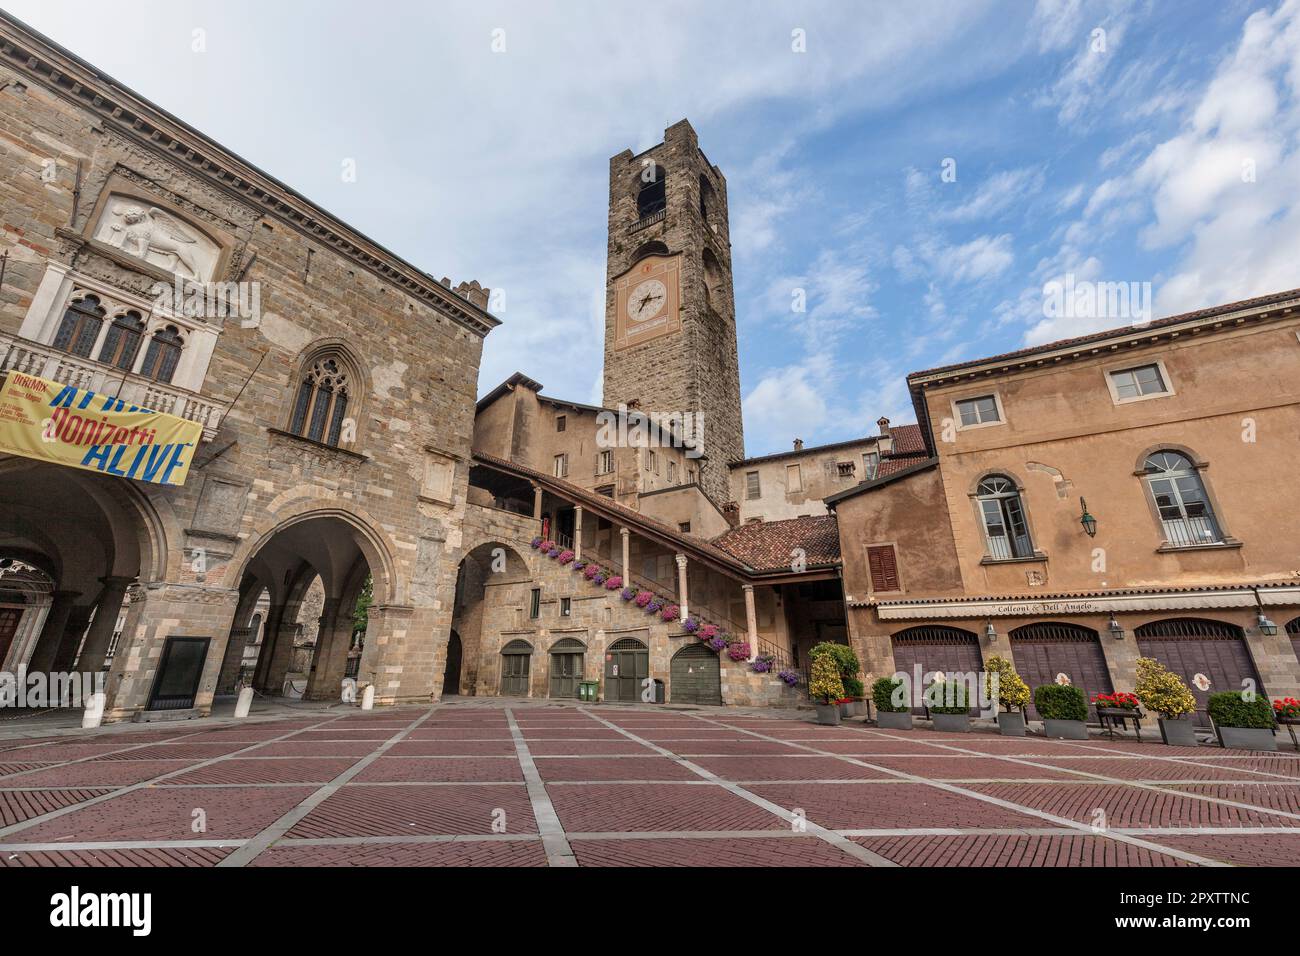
<point>1286,711</point>
<point>826,689</point>
<point>1241,723</point>
<point>1013,696</point>
<point>1163,693</point>
<point>949,706</point>
<point>853,691</point>
<point>893,709</point>
<point>849,667</point>
<point>1063,709</point>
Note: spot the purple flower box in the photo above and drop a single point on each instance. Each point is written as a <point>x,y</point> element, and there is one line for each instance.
<point>691,625</point>
<point>717,643</point>
<point>739,651</point>
<point>566,556</point>
<point>628,594</point>
<point>790,677</point>
<point>643,598</point>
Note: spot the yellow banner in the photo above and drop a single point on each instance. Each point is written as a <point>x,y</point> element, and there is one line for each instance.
<point>71,426</point>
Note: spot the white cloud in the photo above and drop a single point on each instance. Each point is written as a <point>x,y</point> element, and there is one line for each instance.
<point>996,194</point>
<point>789,402</point>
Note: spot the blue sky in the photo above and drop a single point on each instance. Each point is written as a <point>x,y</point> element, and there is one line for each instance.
<point>1111,156</point>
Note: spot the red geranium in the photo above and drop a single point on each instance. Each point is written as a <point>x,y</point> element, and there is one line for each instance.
<point>1118,699</point>
<point>1287,707</point>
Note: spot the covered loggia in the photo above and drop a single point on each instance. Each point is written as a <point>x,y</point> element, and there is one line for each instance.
<point>71,545</point>
<point>276,585</point>
<point>490,608</point>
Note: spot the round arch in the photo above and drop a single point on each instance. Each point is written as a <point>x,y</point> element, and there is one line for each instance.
<point>1209,655</point>
<point>1044,650</point>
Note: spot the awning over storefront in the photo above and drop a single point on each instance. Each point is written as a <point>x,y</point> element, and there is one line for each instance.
<point>1117,602</point>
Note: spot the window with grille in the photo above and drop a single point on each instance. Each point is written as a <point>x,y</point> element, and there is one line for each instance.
<point>1186,516</point>
<point>883,564</point>
<point>561,422</point>
<point>535,604</point>
<point>845,469</point>
<point>321,407</point>
<point>752,489</point>
<point>1006,533</point>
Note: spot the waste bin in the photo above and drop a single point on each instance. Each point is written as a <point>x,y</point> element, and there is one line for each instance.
<point>659,691</point>
<point>588,691</point>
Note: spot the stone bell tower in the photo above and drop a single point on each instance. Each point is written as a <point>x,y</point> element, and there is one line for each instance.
<point>670,312</point>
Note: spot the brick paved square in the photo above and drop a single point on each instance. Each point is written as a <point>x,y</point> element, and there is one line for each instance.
<point>418,811</point>
<point>19,805</point>
<point>1129,806</point>
<point>97,773</point>
<point>318,748</point>
<point>615,768</point>
<point>625,808</point>
<point>998,850</point>
<point>167,813</point>
<point>891,806</point>
<point>152,856</point>
<point>278,770</point>
<point>474,853</point>
<point>1242,849</point>
<point>786,768</point>
<point>578,748</point>
<point>784,851</point>
<point>953,767</point>
<point>441,769</point>
<point>453,748</point>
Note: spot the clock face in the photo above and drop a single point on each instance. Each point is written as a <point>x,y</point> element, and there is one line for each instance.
<point>646,300</point>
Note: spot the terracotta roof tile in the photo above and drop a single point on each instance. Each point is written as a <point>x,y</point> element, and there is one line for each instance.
<point>767,545</point>
<point>908,440</point>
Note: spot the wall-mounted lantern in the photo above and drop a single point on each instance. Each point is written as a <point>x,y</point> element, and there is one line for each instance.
<point>1087,520</point>
<point>990,632</point>
<point>1116,631</point>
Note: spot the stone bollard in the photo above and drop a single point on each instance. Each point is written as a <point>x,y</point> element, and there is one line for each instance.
<point>368,697</point>
<point>94,714</point>
<point>244,703</point>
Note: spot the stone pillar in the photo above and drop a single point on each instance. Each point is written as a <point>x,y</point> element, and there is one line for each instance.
<point>328,664</point>
<point>73,632</point>
<point>751,621</point>
<point>681,586</point>
<point>47,645</point>
<point>277,651</point>
<point>577,532</point>
<point>626,535</point>
<point>29,629</point>
<point>537,504</point>
<point>105,623</point>
<point>382,659</point>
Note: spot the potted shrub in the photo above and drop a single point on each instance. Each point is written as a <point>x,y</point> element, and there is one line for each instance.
<point>1063,709</point>
<point>854,691</point>
<point>826,689</point>
<point>1286,711</point>
<point>892,708</point>
<point>848,665</point>
<point>948,706</point>
<point>1242,723</point>
<point>1163,693</point>
<point>1013,696</point>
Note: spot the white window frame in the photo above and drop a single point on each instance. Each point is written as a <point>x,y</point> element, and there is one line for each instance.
<point>756,492</point>
<point>605,462</point>
<point>997,401</point>
<point>1111,371</point>
<point>872,469</point>
<point>1003,547</point>
<point>561,466</point>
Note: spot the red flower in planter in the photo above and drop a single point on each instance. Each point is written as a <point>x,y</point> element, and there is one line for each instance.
<point>1287,708</point>
<point>1121,699</point>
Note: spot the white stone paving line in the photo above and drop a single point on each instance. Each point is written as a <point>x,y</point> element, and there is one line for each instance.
<point>558,851</point>
<point>1190,761</point>
<point>1157,787</point>
<point>1006,804</point>
<point>114,794</point>
<point>860,853</point>
<point>285,823</point>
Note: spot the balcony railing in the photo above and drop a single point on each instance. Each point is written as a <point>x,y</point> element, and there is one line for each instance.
<point>1191,531</point>
<point>31,358</point>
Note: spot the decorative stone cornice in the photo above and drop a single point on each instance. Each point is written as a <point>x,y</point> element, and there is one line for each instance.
<point>36,57</point>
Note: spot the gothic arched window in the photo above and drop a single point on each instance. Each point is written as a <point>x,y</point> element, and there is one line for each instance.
<point>163,355</point>
<point>122,341</point>
<point>321,406</point>
<point>80,326</point>
<point>1006,534</point>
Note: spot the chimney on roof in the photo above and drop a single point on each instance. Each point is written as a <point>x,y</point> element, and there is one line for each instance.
<point>885,443</point>
<point>731,511</point>
<point>798,444</point>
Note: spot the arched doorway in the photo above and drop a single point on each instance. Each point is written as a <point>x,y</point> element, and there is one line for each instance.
<point>695,676</point>
<point>451,673</point>
<point>307,580</point>
<point>934,648</point>
<point>627,664</point>
<point>1293,631</point>
<point>1042,651</point>
<point>491,603</point>
<point>566,667</point>
<point>1210,656</point>
<point>516,658</point>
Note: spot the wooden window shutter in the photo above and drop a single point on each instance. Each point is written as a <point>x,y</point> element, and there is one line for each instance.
<point>884,567</point>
